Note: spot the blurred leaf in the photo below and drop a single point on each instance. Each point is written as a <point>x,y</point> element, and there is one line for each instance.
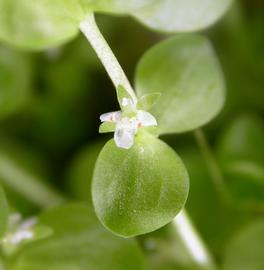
<point>78,242</point>
<point>15,75</point>
<point>44,23</point>
<point>240,38</point>
<point>182,16</point>
<point>240,151</point>
<point>3,213</point>
<point>168,15</point>
<point>138,190</point>
<point>246,250</point>
<point>39,24</point>
<point>27,159</point>
<point>20,179</point>
<point>242,139</point>
<point>79,175</point>
<point>185,71</point>
<point>215,221</point>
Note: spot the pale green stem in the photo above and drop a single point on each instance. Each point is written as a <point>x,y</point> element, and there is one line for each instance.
<point>212,165</point>
<point>105,54</point>
<point>194,245</point>
<point>27,185</point>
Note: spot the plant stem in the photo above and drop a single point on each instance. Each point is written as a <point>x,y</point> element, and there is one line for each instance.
<point>22,182</point>
<point>213,168</point>
<point>105,54</point>
<point>192,241</point>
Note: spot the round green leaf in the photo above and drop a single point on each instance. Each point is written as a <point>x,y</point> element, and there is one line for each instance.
<point>39,24</point>
<point>14,81</point>
<point>184,69</point>
<point>3,213</point>
<point>138,190</point>
<point>246,250</point>
<point>78,242</point>
<point>182,15</point>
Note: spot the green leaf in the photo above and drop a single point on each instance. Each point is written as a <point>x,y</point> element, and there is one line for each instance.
<point>185,71</point>
<point>168,15</point>
<point>3,213</point>
<point>15,75</point>
<point>107,127</point>
<point>39,24</point>
<point>182,16</point>
<point>246,250</point>
<point>78,242</point>
<point>45,23</point>
<point>138,190</point>
<point>147,101</point>
<point>240,153</point>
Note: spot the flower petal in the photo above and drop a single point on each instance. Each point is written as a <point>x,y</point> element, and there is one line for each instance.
<point>124,138</point>
<point>125,132</point>
<point>20,236</point>
<point>111,117</point>
<point>146,119</point>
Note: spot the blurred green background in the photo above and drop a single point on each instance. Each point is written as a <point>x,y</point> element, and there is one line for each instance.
<point>50,103</point>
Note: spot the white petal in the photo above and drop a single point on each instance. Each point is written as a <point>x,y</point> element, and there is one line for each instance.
<point>111,117</point>
<point>124,138</point>
<point>125,132</point>
<point>146,119</point>
<point>20,236</point>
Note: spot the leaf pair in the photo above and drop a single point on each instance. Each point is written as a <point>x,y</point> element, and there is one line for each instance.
<point>45,23</point>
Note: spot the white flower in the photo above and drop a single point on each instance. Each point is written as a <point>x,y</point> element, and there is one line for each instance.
<point>126,127</point>
<point>19,231</point>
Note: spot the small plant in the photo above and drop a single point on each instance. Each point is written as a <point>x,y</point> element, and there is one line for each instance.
<point>139,183</point>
